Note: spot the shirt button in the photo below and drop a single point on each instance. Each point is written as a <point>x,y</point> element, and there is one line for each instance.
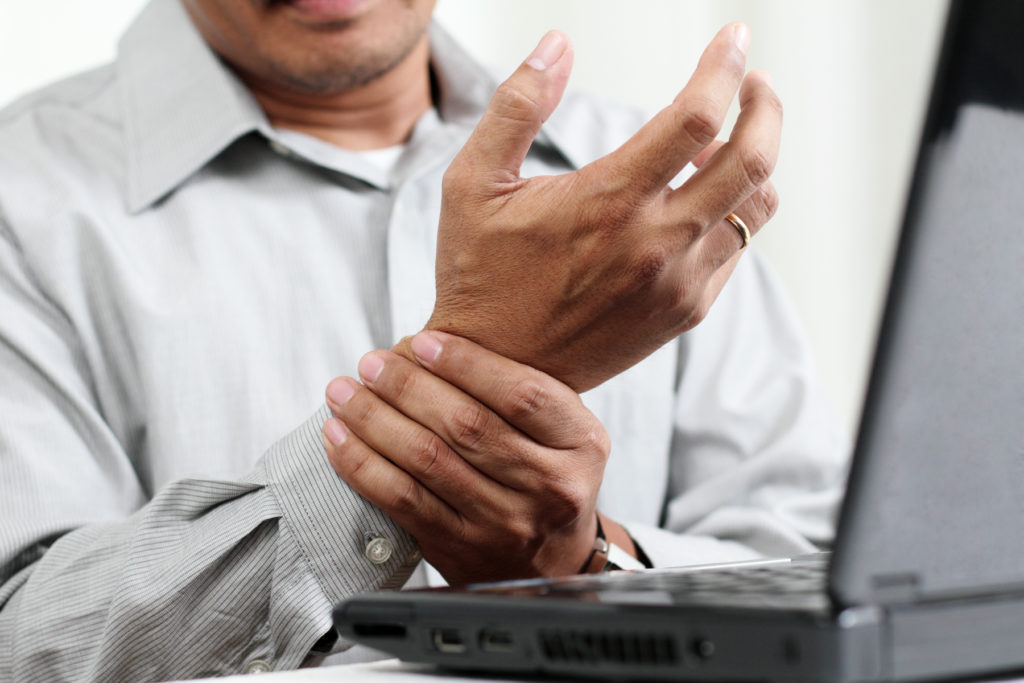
<point>378,550</point>
<point>257,666</point>
<point>280,149</point>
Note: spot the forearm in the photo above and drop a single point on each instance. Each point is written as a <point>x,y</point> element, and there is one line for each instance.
<point>204,579</point>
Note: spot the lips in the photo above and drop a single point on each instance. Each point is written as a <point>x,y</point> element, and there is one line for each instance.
<point>328,10</point>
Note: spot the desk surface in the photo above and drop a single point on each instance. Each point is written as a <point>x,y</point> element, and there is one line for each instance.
<point>385,671</point>
<point>394,671</point>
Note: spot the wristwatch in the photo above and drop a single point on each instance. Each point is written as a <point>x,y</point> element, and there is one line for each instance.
<point>607,555</point>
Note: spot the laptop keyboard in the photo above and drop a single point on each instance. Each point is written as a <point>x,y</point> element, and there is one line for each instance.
<point>799,584</point>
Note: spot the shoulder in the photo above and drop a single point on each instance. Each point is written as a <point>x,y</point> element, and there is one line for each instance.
<point>86,97</point>
<point>59,138</point>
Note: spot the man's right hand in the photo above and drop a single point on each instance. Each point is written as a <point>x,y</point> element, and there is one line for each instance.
<point>584,274</point>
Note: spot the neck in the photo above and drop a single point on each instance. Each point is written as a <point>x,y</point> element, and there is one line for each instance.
<point>381,113</point>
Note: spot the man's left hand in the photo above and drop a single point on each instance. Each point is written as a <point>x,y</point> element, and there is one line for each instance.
<point>492,466</point>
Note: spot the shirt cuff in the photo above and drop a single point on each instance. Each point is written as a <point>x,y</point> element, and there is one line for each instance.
<point>669,549</point>
<point>350,545</point>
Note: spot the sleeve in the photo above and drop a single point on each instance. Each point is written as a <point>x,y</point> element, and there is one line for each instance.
<point>757,462</point>
<point>98,582</point>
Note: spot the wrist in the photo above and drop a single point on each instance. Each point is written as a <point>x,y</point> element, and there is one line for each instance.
<point>613,549</point>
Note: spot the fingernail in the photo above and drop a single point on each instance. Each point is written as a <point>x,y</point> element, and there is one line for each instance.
<point>370,366</point>
<point>340,391</point>
<point>335,432</point>
<point>768,79</point>
<point>426,347</point>
<point>741,37</point>
<point>548,50</point>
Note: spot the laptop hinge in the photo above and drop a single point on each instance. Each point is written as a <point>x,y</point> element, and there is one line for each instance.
<point>897,588</point>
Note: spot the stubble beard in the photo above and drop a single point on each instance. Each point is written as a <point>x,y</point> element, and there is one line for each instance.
<point>326,75</point>
<point>339,78</point>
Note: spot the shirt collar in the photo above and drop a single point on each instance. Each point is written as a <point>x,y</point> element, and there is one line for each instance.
<point>183,106</point>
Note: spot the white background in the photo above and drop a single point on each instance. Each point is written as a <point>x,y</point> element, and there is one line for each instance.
<point>853,76</point>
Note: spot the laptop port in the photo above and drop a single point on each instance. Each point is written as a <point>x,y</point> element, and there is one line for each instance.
<point>702,649</point>
<point>447,640</point>
<point>496,640</point>
<point>379,630</point>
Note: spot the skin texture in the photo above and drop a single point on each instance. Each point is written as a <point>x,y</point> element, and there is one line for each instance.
<point>355,78</point>
<point>493,466</point>
<point>476,441</point>
<point>584,274</point>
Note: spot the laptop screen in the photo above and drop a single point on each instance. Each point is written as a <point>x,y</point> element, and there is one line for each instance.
<point>934,505</point>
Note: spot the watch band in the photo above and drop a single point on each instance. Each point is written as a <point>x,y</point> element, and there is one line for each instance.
<point>609,554</point>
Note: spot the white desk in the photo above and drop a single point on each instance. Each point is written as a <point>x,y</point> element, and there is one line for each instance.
<point>394,671</point>
<point>386,671</point>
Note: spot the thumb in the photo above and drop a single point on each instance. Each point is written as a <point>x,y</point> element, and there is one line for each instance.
<point>520,105</point>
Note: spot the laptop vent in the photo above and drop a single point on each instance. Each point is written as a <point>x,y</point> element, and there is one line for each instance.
<point>596,647</point>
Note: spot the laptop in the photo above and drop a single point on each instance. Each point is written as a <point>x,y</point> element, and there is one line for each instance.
<point>926,579</point>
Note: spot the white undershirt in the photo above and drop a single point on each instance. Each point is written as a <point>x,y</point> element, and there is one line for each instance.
<point>384,158</point>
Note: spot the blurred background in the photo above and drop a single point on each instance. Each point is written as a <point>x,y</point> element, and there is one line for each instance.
<point>853,75</point>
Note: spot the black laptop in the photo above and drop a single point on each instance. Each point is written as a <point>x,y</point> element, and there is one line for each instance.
<point>927,576</point>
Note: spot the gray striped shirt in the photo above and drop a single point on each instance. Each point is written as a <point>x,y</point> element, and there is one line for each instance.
<point>178,283</point>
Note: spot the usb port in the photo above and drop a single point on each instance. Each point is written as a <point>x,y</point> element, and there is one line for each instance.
<point>447,640</point>
<point>496,640</point>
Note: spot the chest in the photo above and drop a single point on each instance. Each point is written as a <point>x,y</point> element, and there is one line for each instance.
<point>211,323</point>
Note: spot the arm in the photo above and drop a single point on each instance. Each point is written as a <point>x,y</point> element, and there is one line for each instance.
<point>757,461</point>
<point>604,264</point>
<point>98,582</point>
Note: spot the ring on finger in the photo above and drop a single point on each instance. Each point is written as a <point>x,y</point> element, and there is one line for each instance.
<point>741,228</point>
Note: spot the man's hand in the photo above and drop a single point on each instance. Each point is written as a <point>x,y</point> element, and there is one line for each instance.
<point>584,274</point>
<point>492,466</point>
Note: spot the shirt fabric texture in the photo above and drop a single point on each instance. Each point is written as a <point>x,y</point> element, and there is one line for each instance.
<point>178,283</point>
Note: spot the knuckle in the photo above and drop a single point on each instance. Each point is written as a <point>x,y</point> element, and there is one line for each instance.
<point>428,453</point>
<point>361,409</point>
<point>512,103</point>
<point>768,201</point>
<point>351,464</point>
<point>468,426</point>
<point>700,121</point>
<point>570,500</point>
<point>561,497</point>
<point>406,498</point>
<point>651,263</point>
<point>401,383</point>
<point>699,311</point>
<point>598,441</point>
<point>612,198</point>
<point>526,399</point>
<point>757,165</point>
<point>521,532</point>
<point>687,301</point>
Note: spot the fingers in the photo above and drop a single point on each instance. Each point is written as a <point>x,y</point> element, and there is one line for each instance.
<point>403,409</point>
<point>723,241</point>
<point>535,403</point>
<point>737,169</point>
<point>497,147</point>
<point>661,149</point>
<point>387,486</point>
<point>380,428</point>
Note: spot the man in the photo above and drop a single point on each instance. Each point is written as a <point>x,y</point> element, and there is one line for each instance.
<point>194,242</point>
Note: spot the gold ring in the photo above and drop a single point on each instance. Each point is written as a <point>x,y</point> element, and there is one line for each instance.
<point>741,228</point>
